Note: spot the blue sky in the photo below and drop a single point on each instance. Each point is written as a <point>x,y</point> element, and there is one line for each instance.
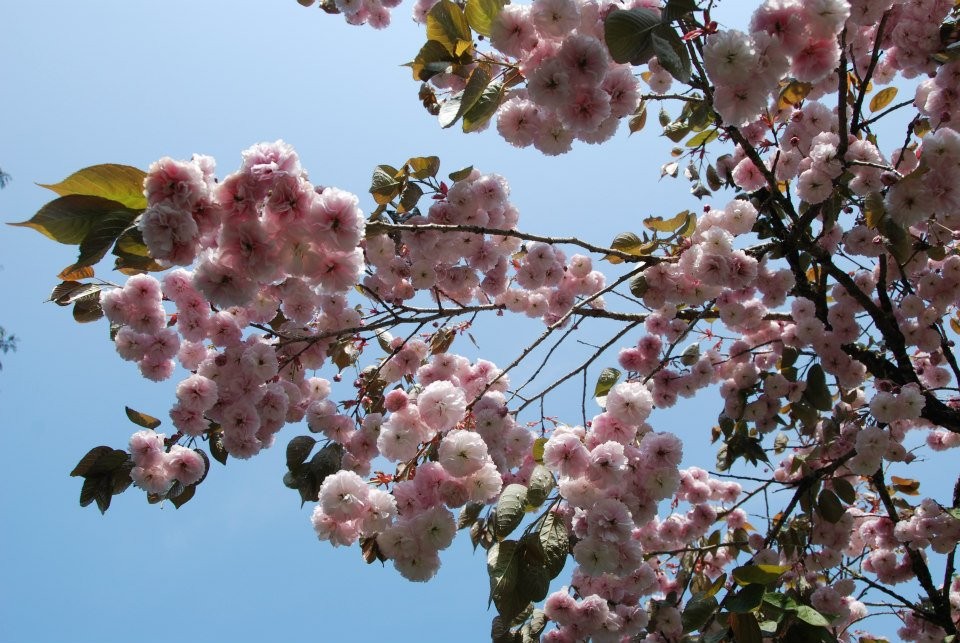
<point>118,81</point>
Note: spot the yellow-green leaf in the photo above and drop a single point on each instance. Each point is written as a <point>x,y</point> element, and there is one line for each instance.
<point>481,13</point>
<point>447,25</point>
<point>627,242</point>
<point>639,118</point>
<point>424,167</point>
<point>121,183</point>
<point>873,209</point>
<point>660,224</point>
<point>882,98</point>
<point>792,93</point>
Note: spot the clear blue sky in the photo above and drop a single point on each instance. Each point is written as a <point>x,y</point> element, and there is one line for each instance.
<point>129,82</point>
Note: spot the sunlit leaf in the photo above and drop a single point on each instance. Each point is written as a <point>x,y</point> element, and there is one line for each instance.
<point>659,224</point>
<point>882,98</point>
<point>121,183</point>
<point>608,378</point>
<point>384,185</point>
<point>461,174</point>
<point>639,118</point>
<point>627,242</point>
<point>793,93</point>
<point>141,419</point>
<point>447,25</point>
<point>906,486</point>
<point>432,59</point>
<point>874,209</point>
<point>423,167</point>
<point>485,107</point>
<point>538,447</point>
<point>481,13</point>
<point>703,138</point>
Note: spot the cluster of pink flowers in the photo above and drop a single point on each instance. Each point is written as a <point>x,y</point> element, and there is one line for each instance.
<point>574,90</point>
<point>465,267</point>
<point>476,452</point>
<point>156,468</point>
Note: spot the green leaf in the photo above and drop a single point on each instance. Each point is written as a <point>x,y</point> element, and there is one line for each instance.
<point>762,574</point>
<point>607,380</point>
<point>102,235</point>
<point>99,489</point>
<point>703,138</point>
<point>555,543</point>
<point>510,509</point>
<point>627,242</point>
<point>844,490</point>
<point>811,616</point>
<point>502,567</point>
<point>121,183</point>
<point>450,110</point>
<point>298,449</point>
<point>639,118</point>
<point>447,25</point>
<point>638,286</point>
<point>70,219</point>
<point>533,582</point>
<point>183,497</point>
<point>671,53</point>
<point>697,612</point>
<point>627,33</point>
<point>472,92</point>
<point>141,419</point>
<point>469,514</point>
<point>541,484</point>
<point>409,197</point>
<point>217,450</point>
<point>829,506</point>
<point>461,174</point>
<point>485,107</point>
<point>424,167</point>
<point>817,392</point>
<point>677,9</point>
<point>747,599</point>
<point>481,13</point>
<point>98,460</point>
